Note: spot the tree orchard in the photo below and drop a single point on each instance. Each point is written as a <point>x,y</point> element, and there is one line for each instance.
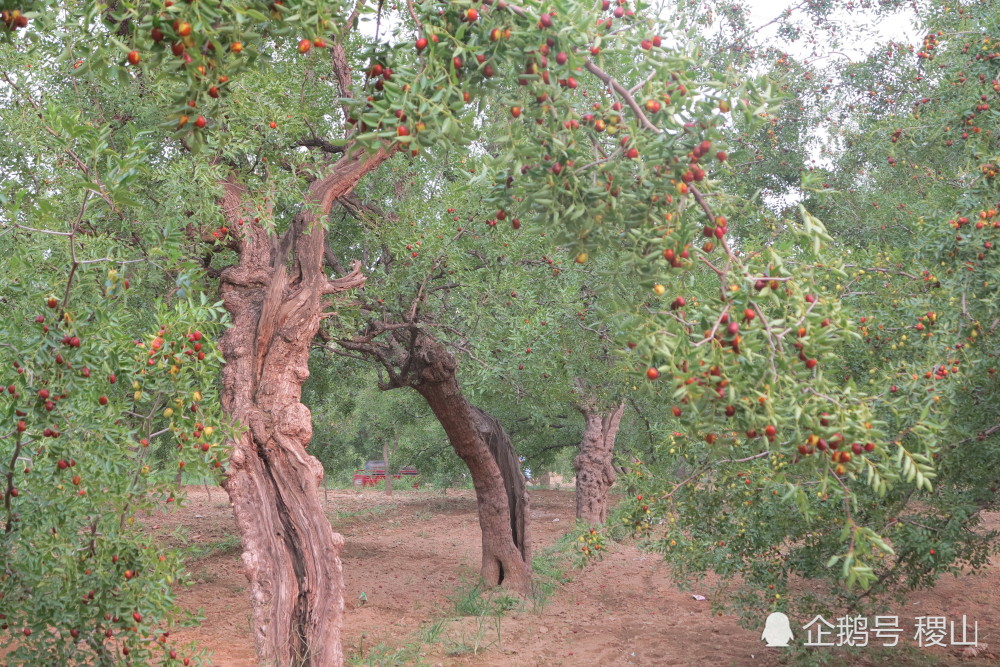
<point>613,142</point>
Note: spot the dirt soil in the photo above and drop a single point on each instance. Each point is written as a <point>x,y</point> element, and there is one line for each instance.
<point>409,556</point>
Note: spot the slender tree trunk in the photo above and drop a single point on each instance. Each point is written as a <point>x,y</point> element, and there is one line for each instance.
<point>594,471</point>
<point>484,446</point>
<point>386,454</point>
<point>275,296</point>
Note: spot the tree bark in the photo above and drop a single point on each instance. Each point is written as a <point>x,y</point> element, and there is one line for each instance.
<point>501,495</point>
<point>414,359</point>
<point>275,297</point>
<point>594,471</point>
<point>515,485</point>
<point>481,442</point>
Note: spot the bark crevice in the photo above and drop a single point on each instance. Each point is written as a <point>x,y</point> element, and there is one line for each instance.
<point>291,555</point>
<point>595,473</point>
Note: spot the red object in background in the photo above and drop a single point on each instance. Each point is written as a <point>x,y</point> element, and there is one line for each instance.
<point>364,477</point>
<point>375,477</point>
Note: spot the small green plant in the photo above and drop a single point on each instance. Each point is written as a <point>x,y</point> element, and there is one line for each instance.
<point>476,642</point>
<point>802,656</point>
<point>484,607</point>
<point>383,655</point>
<point>550,568</point>
<point>479,601</point>
<point>227,545</point>
<point>432,633</point>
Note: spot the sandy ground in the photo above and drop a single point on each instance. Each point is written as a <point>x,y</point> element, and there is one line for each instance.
<point>411,554</point>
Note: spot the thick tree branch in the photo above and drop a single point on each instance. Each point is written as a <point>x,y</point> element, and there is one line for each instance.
<point>322,144</point>
<point>351,281</point>
<point>364,212</point>
<point>413,15</point>
<point>342,72</point>
<point>330,257</point>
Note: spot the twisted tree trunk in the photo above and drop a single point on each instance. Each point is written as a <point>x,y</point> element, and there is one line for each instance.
<point>515,485</point>
<point>275,296</point>
<point>416,360</point>
<point>484,446</point>
<point>594,471</point>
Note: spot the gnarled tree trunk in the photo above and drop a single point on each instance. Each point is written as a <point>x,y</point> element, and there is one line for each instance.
<point>594,471</point>
<point>414,359</point>
<point>515,485</point>
<point>484,446</point>
<point>275,296</point>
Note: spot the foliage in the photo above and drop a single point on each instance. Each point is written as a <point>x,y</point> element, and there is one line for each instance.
<point>351,425</point>
<point>91,445</point>
<point>382,655</point>
<point>109,366</point>
<point>549,569</point>
<point>909,206</point>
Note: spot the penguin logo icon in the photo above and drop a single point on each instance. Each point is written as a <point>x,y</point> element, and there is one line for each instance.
<point>777,630</point>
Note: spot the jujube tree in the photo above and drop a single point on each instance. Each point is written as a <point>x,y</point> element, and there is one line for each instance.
<point>614,140</point>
